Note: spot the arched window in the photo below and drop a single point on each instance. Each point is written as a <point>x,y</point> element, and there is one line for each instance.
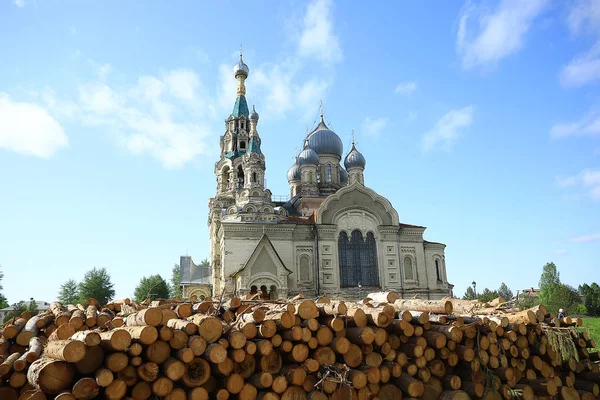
<point>242,145</point>
<point>437,270</point>
<point>328,173</point>
<point>225,179</point>
<point>304,272</point>
<point>408,269</point>
<point>254,177</point>
<point>240,176</point>
<point>358,260</point>
<point>310,176</point>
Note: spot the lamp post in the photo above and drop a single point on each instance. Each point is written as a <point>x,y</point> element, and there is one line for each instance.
<point>474,287</point>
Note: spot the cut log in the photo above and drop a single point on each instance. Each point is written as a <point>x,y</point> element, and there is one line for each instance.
<point>209,327</point>
<point>384,297</point>
<point>146,317</point>
<point>89,338</point>
<point>115,340</point>
<point>68,350</point>
<point>432,306</point>
<point>50,376</point>
<point>104,377</point>
<point>85,389</point>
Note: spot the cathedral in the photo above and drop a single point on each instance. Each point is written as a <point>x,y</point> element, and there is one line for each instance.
<point>335,236</point>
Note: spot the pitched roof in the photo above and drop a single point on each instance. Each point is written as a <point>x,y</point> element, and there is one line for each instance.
<point>189,272</point>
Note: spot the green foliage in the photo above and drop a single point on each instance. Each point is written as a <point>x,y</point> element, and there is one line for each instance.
<point>153,287</point>
<point>69,293</point>
<point>580,309</point>
<point>176,282</point>
<point>526,301</point>
<point>487,295</point>
<point>3,300</point>
<point>96,284</point>
<point>505,291</point>
<point>562,296</point>
<point>19,308</point>
<point>32,307</point>
<point>204,263</point>
<point>469,294</point>
<point>549,281</point>
<point>591,298</point>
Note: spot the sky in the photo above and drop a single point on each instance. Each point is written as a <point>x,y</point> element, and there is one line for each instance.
<point>479,120</point>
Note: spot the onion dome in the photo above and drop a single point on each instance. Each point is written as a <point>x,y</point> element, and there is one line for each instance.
<point>254,114</point>
<point>325,141</point>
<point>343,175</point>
<point>354,159</point>
<point>241,68</point>
<point>308,157</point>
<point>293,173</point>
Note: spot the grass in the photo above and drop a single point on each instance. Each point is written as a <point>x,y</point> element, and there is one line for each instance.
<point>593,325</point>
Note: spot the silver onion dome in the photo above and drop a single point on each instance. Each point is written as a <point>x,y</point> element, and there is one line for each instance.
<point>354,159</point>
<point>241,68</point>
<point>308,157</point>
<point>343,175</point>
<point>325,141</point>
<point>293,173</point>
<point>254,114</point>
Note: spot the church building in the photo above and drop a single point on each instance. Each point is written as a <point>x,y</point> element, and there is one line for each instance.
<point>334,236</point>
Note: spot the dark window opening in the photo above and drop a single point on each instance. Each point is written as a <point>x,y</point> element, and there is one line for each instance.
<point>240,175</point>
<point>358,260</point>
<point>437,270</point>
<point>243,145</point>
<point>254,177</point>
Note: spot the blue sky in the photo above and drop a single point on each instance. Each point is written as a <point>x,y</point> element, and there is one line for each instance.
<point>479,120</point>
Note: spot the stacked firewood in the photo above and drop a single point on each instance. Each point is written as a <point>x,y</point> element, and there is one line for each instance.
<point>382,348</point>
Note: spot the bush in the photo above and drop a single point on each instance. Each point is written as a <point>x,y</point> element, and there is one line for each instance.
<point>579,309</point>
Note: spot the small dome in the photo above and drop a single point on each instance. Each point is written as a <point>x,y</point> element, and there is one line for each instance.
<point>254,114</point>
<point>293,173</point>
<point>354,159</point>
<point>308,157</point>
<point>240,68</point>
<point>325,141</point>
<point>343,175</point>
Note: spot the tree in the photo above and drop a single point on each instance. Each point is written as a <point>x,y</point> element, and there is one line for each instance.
<point>154,287</point>
<point>470,294</point>
<point>549,280</point>
<point>562,296</point>
<point>96,284</point>
<point>18,309</point>
<point>68,293</point>
<point>3,300</point>
<point>487,295</point>
<point>32,307</point>
<point>591,298</point>
<point>176,282</point>
<point>505,291</point>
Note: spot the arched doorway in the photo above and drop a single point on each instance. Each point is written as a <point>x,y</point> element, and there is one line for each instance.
<point>358,259</point>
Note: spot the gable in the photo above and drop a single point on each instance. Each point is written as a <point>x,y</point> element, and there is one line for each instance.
<point>264,263</point>
<point>357,197</point>
<point>264,260</point>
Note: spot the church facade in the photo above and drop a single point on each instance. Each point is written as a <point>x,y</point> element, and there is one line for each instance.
<point>334,236</point>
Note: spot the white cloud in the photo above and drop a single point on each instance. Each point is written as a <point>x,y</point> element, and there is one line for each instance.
<point>147,117</point>
<point>448,129</point>
<point>583,69</point>
<point>374,127</point>
<point>585,238</point>
<point>317,38</point>
<point>103,71</point>
<point>28,129</point>
<point>406,88</point>
<point>498,33</point>
<point>183,84</point>
<point>587,181</point>
<point>19,3</point>
<point>584,17</point>
<point>587,126</point>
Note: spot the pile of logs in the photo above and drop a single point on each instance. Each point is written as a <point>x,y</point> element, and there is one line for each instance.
<point>382,348</point>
